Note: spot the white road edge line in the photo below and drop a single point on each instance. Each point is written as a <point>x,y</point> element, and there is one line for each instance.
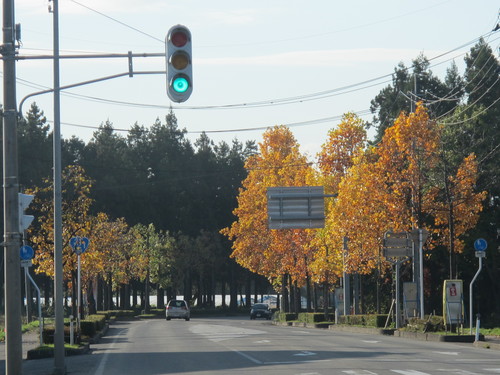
<point>100,369</point>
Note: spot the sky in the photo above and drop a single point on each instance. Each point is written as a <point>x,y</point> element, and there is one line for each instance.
<point>255,64</point>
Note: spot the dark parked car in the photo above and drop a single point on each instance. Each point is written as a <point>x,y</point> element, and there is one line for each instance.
<point>261,310</point>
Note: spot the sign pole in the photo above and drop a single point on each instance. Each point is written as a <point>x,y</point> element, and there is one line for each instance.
<point>471,290</point>
<point>398,302</point>
<point>480,246</point>
<point>78,303</point>
<point>79,245</point>
<point>421,272</point>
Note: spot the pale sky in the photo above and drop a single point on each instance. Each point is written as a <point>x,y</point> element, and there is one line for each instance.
<point>255,64</point>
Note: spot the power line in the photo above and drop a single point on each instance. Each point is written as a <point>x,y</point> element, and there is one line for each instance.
<point>118,21</point>
<point>386,78</point>
<point>360,113</point>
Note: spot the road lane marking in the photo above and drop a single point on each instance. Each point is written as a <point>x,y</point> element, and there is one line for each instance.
<point>359,372</point>
<point>457,371</point>
<point>447,353</point>
<point>100,369</point>
<point>218,333</point>
<point>410,372</point>
<point>371,341</point>
<point>304,353</point>
<point>396,359</point>
<point>249,357</point>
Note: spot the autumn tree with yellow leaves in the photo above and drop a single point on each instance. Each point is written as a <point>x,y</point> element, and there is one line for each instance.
<point>76,204</point>
<point>275,254</point>
<point>106,256</point>
<point>335,159</point>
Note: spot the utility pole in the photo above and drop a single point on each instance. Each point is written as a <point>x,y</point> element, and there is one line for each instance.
<point>12,237</point>
<point>59,366</point>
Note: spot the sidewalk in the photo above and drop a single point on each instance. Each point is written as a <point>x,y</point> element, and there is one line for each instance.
<point>30,341</point>
<point>490,342</point>
<point>75,365</point>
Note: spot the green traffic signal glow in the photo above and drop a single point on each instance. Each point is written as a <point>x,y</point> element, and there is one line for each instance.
<point>180,84</point>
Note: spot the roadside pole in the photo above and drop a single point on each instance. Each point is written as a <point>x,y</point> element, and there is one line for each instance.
<point>397,248</point>
<point>480,246</point>
<point>12,237</point>
<point>59,365</point>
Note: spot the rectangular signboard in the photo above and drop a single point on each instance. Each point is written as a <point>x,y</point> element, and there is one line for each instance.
<point>296,207</point>
<point>410,300</point>
<point>397,245</point>
<point>453,307</point>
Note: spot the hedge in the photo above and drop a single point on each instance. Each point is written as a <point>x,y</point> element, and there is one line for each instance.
<point>92,324</point>
<point>371,320</point>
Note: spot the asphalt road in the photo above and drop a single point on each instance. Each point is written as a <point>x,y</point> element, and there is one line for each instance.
<point>255,347</point>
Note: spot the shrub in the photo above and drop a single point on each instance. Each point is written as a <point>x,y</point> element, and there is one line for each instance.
<point>48,335</point>
<point>311,318</point>
<point>433,324</point>
<point>92,324</point>
<point>371,320</point>
<point>284,316</point>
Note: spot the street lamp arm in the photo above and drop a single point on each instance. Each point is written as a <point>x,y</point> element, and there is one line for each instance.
<point>20,113</point>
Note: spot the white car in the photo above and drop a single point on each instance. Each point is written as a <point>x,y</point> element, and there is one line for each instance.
<point>177,309</point>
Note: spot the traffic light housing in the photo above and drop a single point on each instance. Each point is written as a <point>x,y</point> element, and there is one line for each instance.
<point>179,63</point>
<point>24,220</point>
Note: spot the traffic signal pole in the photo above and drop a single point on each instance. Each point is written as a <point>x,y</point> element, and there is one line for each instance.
<point>59,366</point>
<point>12,236</point>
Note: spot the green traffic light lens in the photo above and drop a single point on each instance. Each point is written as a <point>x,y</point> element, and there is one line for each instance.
<point>180,84</point>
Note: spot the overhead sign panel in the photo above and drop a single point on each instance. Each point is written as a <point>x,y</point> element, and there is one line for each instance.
<point>296,207</point>
<point>397,245</point>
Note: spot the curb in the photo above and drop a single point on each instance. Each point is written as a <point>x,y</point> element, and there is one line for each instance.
<point>484,343</point>
<point>49,353</point>
<point>374,331</point>
<point>488,343</point>
<point>435,337</point>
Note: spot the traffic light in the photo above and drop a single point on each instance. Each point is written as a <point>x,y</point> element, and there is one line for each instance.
<point>179,63</point>
<point>24,220</point>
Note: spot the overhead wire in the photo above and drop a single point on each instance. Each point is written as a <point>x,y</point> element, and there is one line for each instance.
<point>294,99</point>
<point>257,104</point>
<point>117,21</point>
<point>238,130</point>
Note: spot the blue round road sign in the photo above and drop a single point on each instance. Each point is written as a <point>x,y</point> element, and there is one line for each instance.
<point>27,252</point>
<point>480,244</point>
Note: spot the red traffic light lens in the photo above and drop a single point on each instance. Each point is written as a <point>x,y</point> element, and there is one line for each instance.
<point>179,38</point>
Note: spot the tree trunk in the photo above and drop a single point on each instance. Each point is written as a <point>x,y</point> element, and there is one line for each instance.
<point>160,297</point>
<point>285,305</point>
<point>308,293</point>
<point>134,294</point>
<point>146,293</point>
<point>233,290</point>
<point>47,290</point>
<point>248,292</point>
<point>223,293</point>
<point>99,297</point>
<point>90,297</point>
<point>127,297</point>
